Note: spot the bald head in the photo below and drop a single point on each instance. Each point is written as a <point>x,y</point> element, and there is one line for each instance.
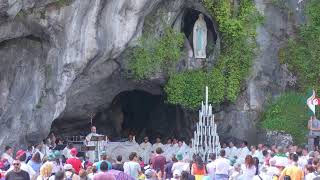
<point>93,129</point>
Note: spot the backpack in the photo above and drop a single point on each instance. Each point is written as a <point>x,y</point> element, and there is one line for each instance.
<point>69,178</point>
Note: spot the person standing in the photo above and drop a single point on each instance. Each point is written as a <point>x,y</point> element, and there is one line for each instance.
<point>74,161</point>
<point>103,175</point>
<point>146,150</point>
<point>22,156</point>
<point>8,154</point>
<point>243,152</point>
<point>222,167</point>
<point>210,166</point>
<point>314,133</point>
<point>132,167</point>
<point>198,168</point>
<point>293,171</point>
<point>157,144</point>
<point>118,165</point>
<point>17,173</point>
<point>92,154</point>
<point>158,161</point>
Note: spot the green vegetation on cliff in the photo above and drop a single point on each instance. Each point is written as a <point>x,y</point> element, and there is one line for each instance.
<point>187,88</point>
<point>288,113</point>
<point>303,52</point>
<point>237,26</point>
<point>154,55</point>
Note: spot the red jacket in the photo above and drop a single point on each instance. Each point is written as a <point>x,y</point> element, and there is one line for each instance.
<point>76,164</point>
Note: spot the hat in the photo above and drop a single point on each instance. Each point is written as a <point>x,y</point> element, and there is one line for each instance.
<point>149,173</point>
<point>176,173</point>
<point>67,167</point>
<point>179,157</point>
<point>74,151</point>
<point>20,153</point>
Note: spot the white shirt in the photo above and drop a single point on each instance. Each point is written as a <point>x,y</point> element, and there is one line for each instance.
<point>132,168</point>
<point>8,157</point>
<point>181,166</point>
<point>222,166</point>
<point>242,153</point>
<point>233,151</point>
<point>310,176</point>
<point>211,169</point>
<point>156,145</point>
<point>248,173</point>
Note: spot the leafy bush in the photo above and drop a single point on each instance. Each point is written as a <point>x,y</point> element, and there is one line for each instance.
<point>154,55</point>
<point>288,113</point>
<point>303,52</point>
<point>238,29</point>
<point>187,88</point>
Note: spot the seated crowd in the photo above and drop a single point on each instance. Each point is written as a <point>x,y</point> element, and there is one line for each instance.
<point>260,162</point>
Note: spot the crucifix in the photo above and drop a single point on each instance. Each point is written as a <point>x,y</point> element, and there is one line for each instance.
<point>91,115</point>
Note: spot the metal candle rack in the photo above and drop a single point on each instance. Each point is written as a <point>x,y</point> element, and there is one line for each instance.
<point>206,139</point>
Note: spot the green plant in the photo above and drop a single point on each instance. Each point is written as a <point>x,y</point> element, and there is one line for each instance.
<point>187,88</point>
<point>302,52</point>
<point>288,113</point>
<point>238,29</point>
<point>156,54</point>
<point>238,41</point>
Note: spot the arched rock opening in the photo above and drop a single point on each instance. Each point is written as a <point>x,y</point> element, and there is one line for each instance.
<point>137,112</point>
<point>190,16</point>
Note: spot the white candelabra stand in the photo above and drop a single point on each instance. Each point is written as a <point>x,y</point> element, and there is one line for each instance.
<point>206,139</point>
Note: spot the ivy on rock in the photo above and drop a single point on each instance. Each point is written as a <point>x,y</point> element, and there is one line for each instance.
<point>237,26</point>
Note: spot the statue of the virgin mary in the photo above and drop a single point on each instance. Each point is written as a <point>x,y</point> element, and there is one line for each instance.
<point>200,37</point>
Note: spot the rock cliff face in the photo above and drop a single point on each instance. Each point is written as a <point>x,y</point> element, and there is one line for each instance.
<point>64,59</point>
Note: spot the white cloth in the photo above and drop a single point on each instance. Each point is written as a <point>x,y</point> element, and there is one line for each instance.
<point>169,151</point>
<point>211,169</point>
<point>146,151</point>
<point>247,173</point>
<point>242,153</point>
<point>310,176</point>
<point>66,153</point>
<point>26,168</point>
<point>222,166</point>
<point>262,176</point>
<point>272,171</point>
<point>302,162</point>
<point>8,157</point>
<point>98,144</point>
<point>156,145</point>
<point>181,166</point>
<point>132,168</point>
<point>232,152</point>
<point>258,155</point>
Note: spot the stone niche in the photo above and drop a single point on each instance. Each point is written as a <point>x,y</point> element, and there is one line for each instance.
<point>189,17</point>
<point>135,111</point>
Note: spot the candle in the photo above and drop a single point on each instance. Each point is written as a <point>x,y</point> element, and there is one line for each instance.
<point>205,131</point>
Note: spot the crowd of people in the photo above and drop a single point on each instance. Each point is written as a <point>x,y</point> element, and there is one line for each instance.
<point>262,162</point>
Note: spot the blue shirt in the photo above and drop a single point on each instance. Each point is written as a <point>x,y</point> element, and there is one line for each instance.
<point>35,166</point>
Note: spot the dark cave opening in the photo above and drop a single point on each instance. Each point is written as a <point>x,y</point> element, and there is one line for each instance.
<point>189,18</point>
<point>132,112</point>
